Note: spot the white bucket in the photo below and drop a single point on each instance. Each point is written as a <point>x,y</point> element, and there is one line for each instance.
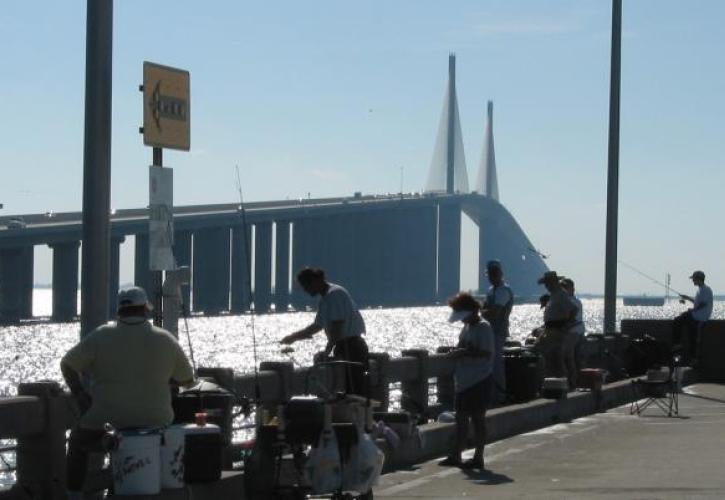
<point>172,457</point>
<point>136,464</point>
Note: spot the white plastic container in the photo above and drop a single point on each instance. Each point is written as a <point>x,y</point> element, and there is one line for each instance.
<point>172,457</point>
<point>136,463</point>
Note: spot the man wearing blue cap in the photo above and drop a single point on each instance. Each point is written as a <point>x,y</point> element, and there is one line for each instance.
<point>497,309</point>
<point>129,363</point>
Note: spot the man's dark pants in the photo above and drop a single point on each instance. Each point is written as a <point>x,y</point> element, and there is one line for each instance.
<point>81,444</point>
<point>354,349</point>
<point>685,332</point>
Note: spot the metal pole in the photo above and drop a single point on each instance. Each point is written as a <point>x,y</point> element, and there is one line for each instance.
<point>610,267</point>
<point>450,186</point>
<point>157,278</point>
<point>97,165</point>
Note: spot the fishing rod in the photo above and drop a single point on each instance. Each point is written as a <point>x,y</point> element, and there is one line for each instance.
<point>247,259</point>
<point>644,275</point>
<point>185,315</point>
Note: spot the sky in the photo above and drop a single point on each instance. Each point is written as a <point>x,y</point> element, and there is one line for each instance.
<point>326,98</point>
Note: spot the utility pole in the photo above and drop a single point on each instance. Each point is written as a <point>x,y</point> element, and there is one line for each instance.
<point>610,265</point>
<point>95,263</point>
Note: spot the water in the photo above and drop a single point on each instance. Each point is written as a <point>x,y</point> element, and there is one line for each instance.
<point>33,351</point>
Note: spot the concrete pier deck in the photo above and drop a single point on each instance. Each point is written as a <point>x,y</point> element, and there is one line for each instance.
<point>606,455</point>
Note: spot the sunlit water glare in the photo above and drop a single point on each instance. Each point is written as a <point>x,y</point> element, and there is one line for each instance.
<point>32,351</point>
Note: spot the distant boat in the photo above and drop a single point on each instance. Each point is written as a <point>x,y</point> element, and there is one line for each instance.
<point>644,300</point>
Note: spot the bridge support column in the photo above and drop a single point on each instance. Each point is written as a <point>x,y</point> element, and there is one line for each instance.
<point>182,253</point>
<point>114,273</point>
<point>262,266</point>
<point>27,266</point>
<point>240,269</point>
<point>399,258</point>
<point>10,284</point>
<point>300,254</point>
<point>141,272</point>
<point>65,280</point>
<point>422,250</point>
<point>449,250</point>
<point>281,266</point>
<point>211,270</point>
<point>365,259</point>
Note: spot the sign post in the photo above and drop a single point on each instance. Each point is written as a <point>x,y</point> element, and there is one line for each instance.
<point>166,124</point>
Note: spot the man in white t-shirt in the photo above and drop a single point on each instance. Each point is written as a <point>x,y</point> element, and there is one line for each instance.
<point>497,309</point>
<point>688,325</point>
<point>575,337</point>
<point>339,317</point>
<point>558,317</point>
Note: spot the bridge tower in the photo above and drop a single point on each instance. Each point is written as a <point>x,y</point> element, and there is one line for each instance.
<point>448,166</point>
<point>487,181</point>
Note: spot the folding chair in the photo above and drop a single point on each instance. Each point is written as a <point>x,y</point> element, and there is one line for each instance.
<point>658,388</point>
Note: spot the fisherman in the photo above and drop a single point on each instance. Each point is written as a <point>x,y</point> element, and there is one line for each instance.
<point>497,309</point>
<point>575,337</point>
<point>341,320</point>
<point>687,326</point>
<point>129,364</point>
<point>474,355</point>
<point>558,317</point>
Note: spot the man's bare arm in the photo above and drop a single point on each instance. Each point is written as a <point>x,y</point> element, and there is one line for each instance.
<point>302,334</point>
<point>73,381</point>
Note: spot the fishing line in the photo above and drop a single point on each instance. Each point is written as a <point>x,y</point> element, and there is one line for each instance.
<point>644,275</point>
<point>184,314</point>
<point>247,258</point>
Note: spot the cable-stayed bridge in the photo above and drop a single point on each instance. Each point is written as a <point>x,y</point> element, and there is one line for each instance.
<point>392,250</point>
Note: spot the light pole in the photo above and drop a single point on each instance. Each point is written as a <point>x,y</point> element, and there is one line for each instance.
<point>95,262</point>
<point>610,265</point>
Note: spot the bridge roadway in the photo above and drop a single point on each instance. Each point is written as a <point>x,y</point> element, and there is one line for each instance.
<point>608,455</point>
<point>389,250</point>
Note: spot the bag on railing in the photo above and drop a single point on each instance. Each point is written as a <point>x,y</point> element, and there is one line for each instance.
<point>323,470</point>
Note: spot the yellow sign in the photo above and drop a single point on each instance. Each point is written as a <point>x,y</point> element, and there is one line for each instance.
<point>166,109</point>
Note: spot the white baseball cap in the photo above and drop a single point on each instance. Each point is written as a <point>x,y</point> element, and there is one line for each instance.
<point>459,315</point>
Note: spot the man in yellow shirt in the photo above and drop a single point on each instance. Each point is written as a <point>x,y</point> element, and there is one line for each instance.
<point>128,364</point>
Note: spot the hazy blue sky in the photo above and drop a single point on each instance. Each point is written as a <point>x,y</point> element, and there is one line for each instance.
<point>329,98</point>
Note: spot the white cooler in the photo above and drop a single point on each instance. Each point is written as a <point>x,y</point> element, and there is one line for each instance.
<point>136,463</point>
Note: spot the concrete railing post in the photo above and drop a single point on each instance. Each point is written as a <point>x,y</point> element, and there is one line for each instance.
<point>415,392</point>
<point>222,376</point>
<point>380,384</point>
<point>41,457</point>
<point>445,387</point>
<point>285,377</point>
